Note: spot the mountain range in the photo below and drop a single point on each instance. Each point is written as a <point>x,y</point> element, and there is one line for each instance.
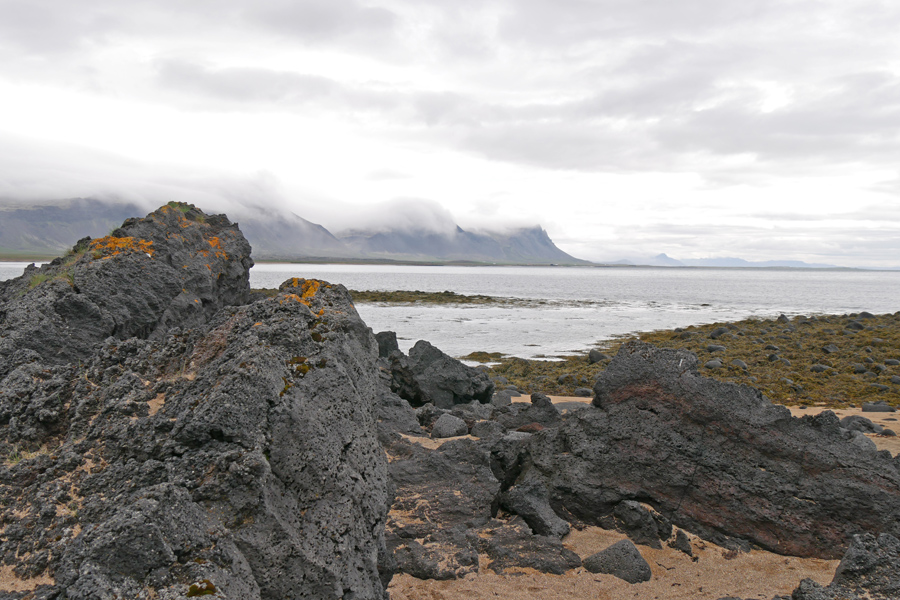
<point>51,228</point>
<point>663,260</point>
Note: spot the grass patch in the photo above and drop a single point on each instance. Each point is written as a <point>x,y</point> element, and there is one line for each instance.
<point>831,360</point>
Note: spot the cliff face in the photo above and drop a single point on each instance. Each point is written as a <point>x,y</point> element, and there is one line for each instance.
<point>165,437</point>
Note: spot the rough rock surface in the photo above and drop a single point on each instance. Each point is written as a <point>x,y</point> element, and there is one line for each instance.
<point>163,434</point>
<point>869,570</point>
<point>446,513</point>
<point>449,426</point>
<point>429,375</point>
<point>716,459</point>
<point>176,267</point>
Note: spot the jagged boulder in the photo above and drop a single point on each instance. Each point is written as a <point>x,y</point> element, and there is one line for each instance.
<point>716,459</point>
<point>429,375</point>
<point>445,515</point>
<point>225,448</point>
<point>176,267</point>
<point>869,570</point>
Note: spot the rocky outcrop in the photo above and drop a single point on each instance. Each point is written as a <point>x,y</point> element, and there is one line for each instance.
<point>428,375</point>
<point>175,268</point>
<point>869,570</point>
<point>167,439</point>
<point>716,459</point>
<point>446,514</point>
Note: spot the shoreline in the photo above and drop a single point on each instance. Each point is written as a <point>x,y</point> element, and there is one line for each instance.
<point>825,360</point>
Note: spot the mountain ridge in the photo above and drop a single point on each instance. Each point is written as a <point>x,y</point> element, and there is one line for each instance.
<point>52,227</point>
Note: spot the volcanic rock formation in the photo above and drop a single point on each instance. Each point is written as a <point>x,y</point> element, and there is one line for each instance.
<point>167,439</point>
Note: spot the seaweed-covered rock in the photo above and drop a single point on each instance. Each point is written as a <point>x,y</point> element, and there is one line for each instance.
<point>429,375</point>
<point>716,459</point>
<point>203,444</point>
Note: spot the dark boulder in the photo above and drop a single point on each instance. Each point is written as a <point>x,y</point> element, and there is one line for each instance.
<point>640,524</point>
<point>429,375</point>
<point>387,343</point>
<point>623,560</point>
<point>716,459</point>
<point>595,356</point>
<point>449,426</point>
<point>503,397</point>
<point>861,424</point>
<point>880,406</point>
<point>531,501</point>
<point>511,545</point>
<point>682,543</point>
<point>445,508</point>
<point>234,445</point>
<point>541,410</point>
<point>487,429</point>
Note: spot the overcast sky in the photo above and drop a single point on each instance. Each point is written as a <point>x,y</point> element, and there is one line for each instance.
<point>699,128</point>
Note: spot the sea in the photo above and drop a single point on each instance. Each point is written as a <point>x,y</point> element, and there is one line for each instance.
<point>561,310</point>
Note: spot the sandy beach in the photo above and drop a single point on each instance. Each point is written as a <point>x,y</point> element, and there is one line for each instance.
<point>712,572</point>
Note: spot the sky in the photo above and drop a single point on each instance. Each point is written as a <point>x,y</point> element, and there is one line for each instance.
<point>626,128</point>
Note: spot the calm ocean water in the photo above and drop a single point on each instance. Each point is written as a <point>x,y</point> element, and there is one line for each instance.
<point>583,306</point>
<point>587,305</point>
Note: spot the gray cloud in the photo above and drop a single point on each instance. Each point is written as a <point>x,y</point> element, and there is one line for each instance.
<point>313,21</point>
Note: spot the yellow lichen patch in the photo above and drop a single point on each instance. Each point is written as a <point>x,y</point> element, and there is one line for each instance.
<point>110,246</point>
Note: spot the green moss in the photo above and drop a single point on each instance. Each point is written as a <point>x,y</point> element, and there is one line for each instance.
<point>182,206</point>
<point>299,365</point>
<point>37,279</point>
<point>202,588</point>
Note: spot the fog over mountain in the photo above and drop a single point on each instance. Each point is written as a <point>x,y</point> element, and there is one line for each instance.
<point>405,231</point>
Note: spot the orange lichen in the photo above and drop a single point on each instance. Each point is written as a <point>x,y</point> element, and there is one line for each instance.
<point>308,289</point>
<point>110,246</point>
<point>216,245</point>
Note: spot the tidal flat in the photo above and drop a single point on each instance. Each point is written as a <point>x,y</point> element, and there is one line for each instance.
<point>827,360</point>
